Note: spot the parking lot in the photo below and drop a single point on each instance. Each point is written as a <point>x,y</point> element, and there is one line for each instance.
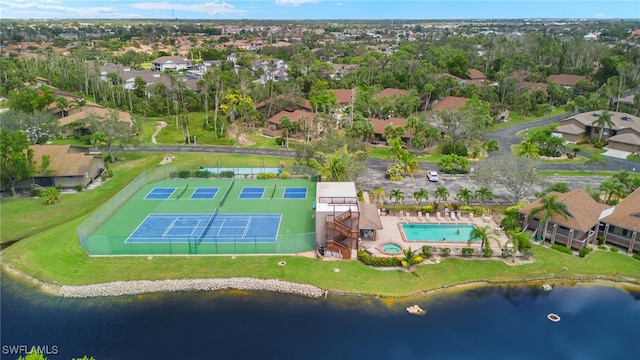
<point>374,177</point>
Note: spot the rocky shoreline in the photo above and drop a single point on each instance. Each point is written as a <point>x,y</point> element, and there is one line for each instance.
<point>118,288</point>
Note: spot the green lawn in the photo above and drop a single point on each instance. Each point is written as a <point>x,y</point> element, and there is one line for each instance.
<point>53,254</point>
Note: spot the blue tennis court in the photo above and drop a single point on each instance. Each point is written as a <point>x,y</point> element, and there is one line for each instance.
<point>295,193</point>
<point>160,193</point>
<point>206,193</point>
<point>251,193</point>
<point>225,228</point>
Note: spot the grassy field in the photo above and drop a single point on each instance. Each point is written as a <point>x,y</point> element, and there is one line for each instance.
<point>53,253</point>
<point>515,119</point>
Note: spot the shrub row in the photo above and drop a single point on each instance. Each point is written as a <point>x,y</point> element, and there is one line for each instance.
<point>371,260</point>
<point>562,249</point>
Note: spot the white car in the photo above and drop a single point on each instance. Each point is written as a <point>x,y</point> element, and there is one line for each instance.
<point>432,176</point>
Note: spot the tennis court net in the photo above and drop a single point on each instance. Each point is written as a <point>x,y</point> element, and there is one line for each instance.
<point>182,191</point>
<point>224,197</point>
<point>206,228</point>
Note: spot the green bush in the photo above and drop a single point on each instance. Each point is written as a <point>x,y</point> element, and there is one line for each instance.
<point>602,247</point>
<point>487,251</point>
<point>184,174</point>
<point>34,192</point>
<point>428,251</point>
<point>614,249</point>
<point>467,252</point>
<point>585,251</point>
<point>427,209</point>
<point>227,174</point>
<point>371,260</point>
<point>280,141</point>
<point>527,253</point>
<point>78,188</point>
<point>562,249</point>
<point>267,175</point>
<point>601,240</point>
<point>636,256</point>
<point>506,252</point>
<point>172,175</point>
<point>285,175</point>
<point>445,252</point>
<point>201,174</point>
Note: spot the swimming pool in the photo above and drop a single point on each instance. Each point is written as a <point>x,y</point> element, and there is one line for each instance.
<point>437,232</point>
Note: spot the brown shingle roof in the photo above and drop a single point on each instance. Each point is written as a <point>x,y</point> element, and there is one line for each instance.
<point>369,218</point>
<point>63,161</point>
<point>571,129</point>
<point>474,74</point>
<point>450,103</point>
<point>583,211</point>
<point>379,125</point>
<point>627,213</point>
<point>344,95</point>
<point>388,92</point>
<point>295,116</point>
<point>565,79</point>
<point>97,111</point>
<point>620,120</point>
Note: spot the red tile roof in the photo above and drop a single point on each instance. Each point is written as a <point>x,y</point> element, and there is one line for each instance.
<point>344,95</point>
<point>295,116</point>
<point>388,92</point>
<point>380,124</point>
<point>565,79</point>
<point>450,103</point>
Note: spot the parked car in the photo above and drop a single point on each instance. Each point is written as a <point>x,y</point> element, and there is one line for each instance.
<point>432,176</point>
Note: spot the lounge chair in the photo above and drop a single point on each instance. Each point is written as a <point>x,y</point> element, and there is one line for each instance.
<point>471,216</point>
<point>437,216</point>
<point>459,215</point>
<point>426,217</point>
<point>453,216</point>
<point>419,215</point>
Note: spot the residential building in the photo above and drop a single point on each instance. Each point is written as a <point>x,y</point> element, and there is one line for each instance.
<point>305,118</point>
<point>69,167</point>
<point>579,228</point>
<point>380,124</point>
<point>337,219</point>
<point>565,80</point>
<point>620,224</point>
<point>624,135</point>
<point>172,63</point>
<point>450,103</point>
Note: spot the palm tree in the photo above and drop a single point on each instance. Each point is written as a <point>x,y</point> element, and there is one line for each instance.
<point>421,194</point>
<point>410,258</point>
<point>529,150</point>
<point>379,194</point>
<point>396,147</point>
<point>482,194</point>
<point>397,195</point>
<point>465,196</point>
<point>484,234</point>
<point>603,120</point>
<point>517,239</point>
<point>492,145</point>
<point>549,208</point>
<point>442,193</point>
<point>409,162</point>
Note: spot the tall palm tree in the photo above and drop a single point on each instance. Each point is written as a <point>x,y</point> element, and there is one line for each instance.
<point>484,234</point>
<point>482,194</point>
<point>549,208</point>
<point>397,195</point>
<point>409,162</point>
<point>396,147</point>
<point>603,120</point>
<point>442,193</point>
<point>379,194</point>
<point>465,196</point>
<point>421,194</point>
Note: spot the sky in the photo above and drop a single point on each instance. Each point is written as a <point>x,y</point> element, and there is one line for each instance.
<point>318,9</point>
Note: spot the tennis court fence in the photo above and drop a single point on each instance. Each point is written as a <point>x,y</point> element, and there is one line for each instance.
<point>183,245</point>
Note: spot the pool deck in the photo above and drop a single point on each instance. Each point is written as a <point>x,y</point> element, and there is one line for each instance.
<point>391,233</point>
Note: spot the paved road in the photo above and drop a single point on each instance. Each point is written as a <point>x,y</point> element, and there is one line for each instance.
<point>374,175</point>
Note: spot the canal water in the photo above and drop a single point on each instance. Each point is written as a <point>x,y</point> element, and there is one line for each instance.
<point>508,322</point>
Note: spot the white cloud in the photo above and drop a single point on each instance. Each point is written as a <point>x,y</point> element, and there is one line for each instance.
<point>296,2</point>
<point>210,8</point>
<point>49,9</point>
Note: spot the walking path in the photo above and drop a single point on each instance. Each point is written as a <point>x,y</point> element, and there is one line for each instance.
<point>161,124</point>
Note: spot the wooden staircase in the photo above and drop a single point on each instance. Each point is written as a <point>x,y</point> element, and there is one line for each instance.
<point>341,227</point>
